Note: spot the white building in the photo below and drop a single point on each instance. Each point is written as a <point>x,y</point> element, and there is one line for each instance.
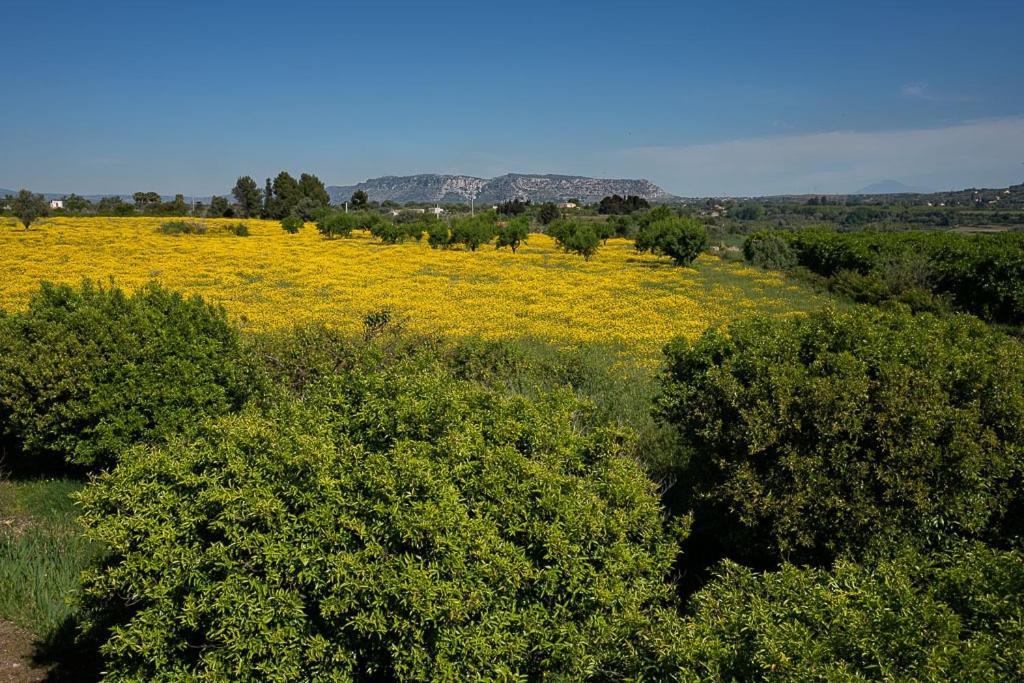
<point>437,210</point>
<point>568,205</point>
<point>56,203</point>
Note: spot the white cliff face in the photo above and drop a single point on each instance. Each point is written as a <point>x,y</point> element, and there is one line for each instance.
<point>460,188</point>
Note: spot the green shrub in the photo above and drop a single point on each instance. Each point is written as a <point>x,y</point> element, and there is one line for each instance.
<point>438,235</point>
<point>979,274</point>
<point>574,236</point>
<point>681,239</point>
<point>769,250</point>
<point>952,617</point>
<point>87,372</point>
<point>398,525</point>
<point>239,230</point>
<point>291,223</point>
<point>183,228</point>
<point>845,432</point>
<point>473,231</point>
<point>513,233</point>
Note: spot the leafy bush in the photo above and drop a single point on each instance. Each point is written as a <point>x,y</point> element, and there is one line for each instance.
<point>438,235</point>
<point>953,617</point>
<point>336,224</point>
<point>979,274</point>
<point>769,250</point>
<point>398,524</point>
<point>845,432</point>
<point>87,372</point>
<point>574,236</point>
<point>183,228</point>
<point>238,229</point>
<point>394,233</point>
<point>291,223</point>
<point>473,231</point>
<point>681,239</point>
<point>512,233</point>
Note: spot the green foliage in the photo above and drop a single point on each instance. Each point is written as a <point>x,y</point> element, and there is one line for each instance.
<point>512,233</point>
<point>312,188</point>
<point>27,207</point>
<point>248,197</point>
<point>86,372</point>
<point>238,229</point>
<point>184,228</point>
<point>219,208</point>
<point>548,212</point>
<point>769,250</point>
<point>359,200</point>
<point>389,232</point>
<point>621,205</point>
<point>42,553</point>
<point>397,525</point>
<point>842,433</point>
<point>979,274</point>
<point>681,239</point>
<point>472,231</point>
<point>293,223</point>
<point>953,617</point>
<point>513,207</point>
<point>336,224</point>
<point>439,235</point>
<point>575,236</point>
<point>287,195</point>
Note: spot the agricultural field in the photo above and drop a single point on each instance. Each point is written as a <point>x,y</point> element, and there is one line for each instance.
<point>271,280</point>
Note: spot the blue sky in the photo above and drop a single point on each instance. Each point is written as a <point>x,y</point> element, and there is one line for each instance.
<point>702,98</point>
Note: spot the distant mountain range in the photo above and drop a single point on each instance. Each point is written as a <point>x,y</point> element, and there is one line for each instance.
<point>451,189</point>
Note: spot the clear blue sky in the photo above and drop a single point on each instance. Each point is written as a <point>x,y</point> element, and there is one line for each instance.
<point>700,97</point>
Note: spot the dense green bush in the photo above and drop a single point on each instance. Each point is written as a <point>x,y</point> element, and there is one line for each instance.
<point>953,617</point>
<point>513,233</point>
<point>769,250</point>
<point>979,274</point>
<point>473,231</point>
<point>292,223</point>
<point>398,525</point>
<point>681,239</point>
<point>336,223</point>
<point>575,236</point>
<point>86,372</point>
<point>846,432</point>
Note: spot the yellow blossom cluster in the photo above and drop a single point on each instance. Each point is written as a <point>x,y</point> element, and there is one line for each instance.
<point>273,279</point>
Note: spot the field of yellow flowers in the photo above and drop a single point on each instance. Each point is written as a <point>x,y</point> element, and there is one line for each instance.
<point>272,279</point>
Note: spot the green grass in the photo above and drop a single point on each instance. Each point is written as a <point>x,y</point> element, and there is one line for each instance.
<point>42,553</point>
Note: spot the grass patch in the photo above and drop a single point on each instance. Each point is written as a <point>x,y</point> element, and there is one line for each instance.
<point>42,553</point>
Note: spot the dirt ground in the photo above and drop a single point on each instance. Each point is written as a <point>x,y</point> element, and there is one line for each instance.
<point>16,646</point>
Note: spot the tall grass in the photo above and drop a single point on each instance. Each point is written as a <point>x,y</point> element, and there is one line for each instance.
<point>42,553</point>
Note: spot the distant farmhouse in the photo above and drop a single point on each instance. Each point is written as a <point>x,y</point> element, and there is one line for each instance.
<point>56,203</point>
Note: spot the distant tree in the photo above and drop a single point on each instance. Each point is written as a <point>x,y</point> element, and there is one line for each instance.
<point>268,200</point>
<point>513,207</point>
<point>114,206</point>
<point>308,209</point>
<point>220,208</point>
<point>27,207</point>
<point>579,238</point>
<point>621,225</point>
<point>681,239</point>
<point>548,212</point>
<point>175,207</point>
<point>313,188</point>
<point>332,224</point>
<point>291,223</point>
<point>144,200</point>
<point>286,194</point>
<point>605,231</point>
<point>748,212</point>
<point>248,197</point>
<point>76,204</point>
<point>438,235</point>
<point>615,204</point>
<point>473,231</point>
<point>359,200</point>
<point>513,233</point>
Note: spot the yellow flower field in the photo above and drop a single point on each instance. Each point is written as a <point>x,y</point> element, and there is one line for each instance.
<point>272,279</point>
